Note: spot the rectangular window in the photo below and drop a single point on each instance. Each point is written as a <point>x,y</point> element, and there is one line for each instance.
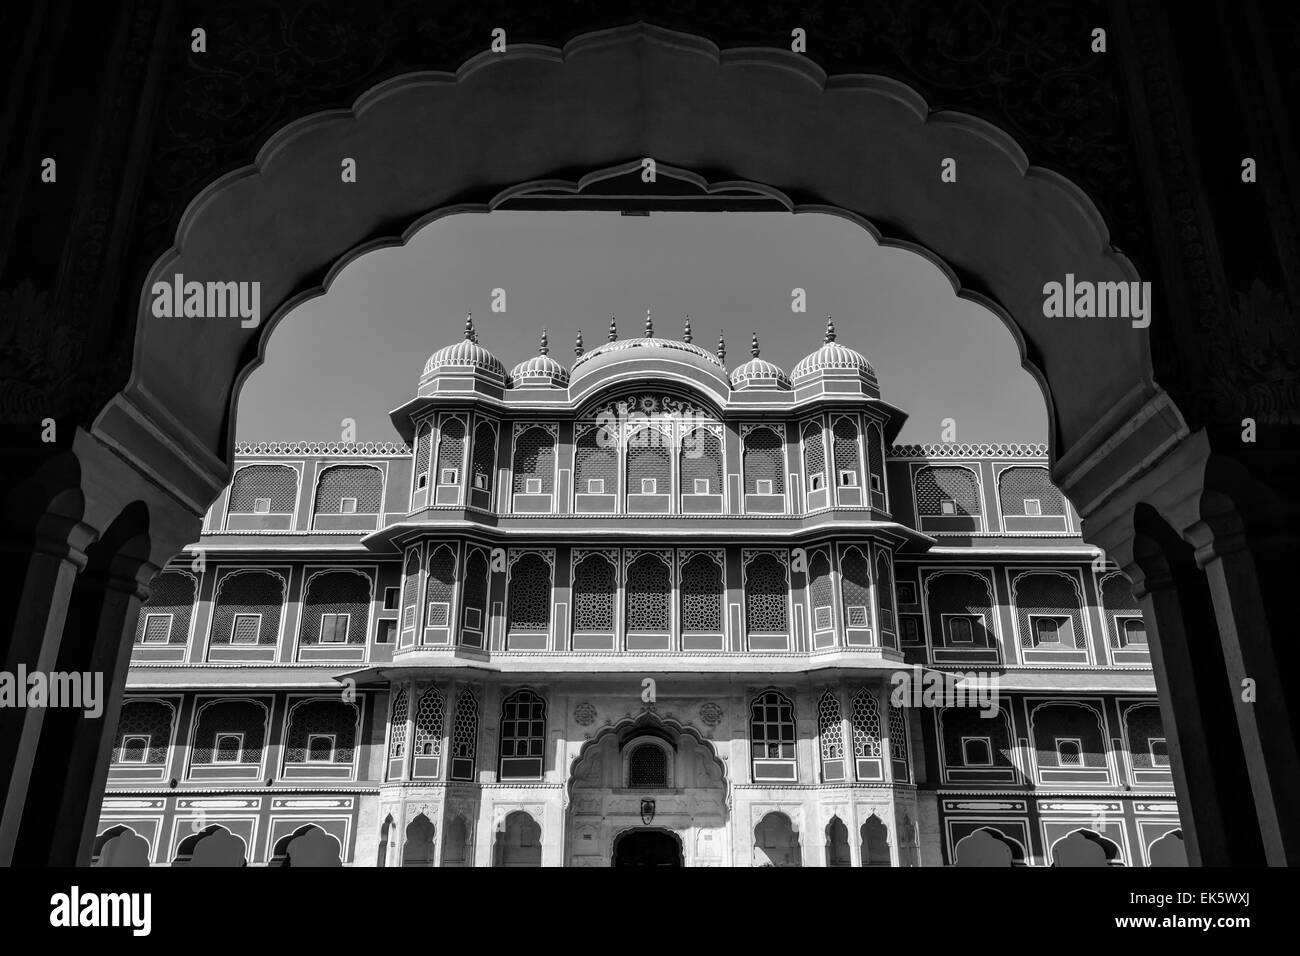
<point>976,752</point>
<point>449,476</point>
<point>1033,506</point>
<point>532,486</point>
<point>1134,633</point>
<point>848,478</point>
<point>348,506</point>
<point>701,486</point>
<point>911,636</point>
<point>473,618</point>
<point>157,628</point>
<point>906,592</point>
<point>391,598</point>
<point>481,481</point>
<point>320,748</point>
<point>229,748</point>
<point>439,614</point>
<point>822,618</point>
<point>387,629</point>
<point>135,749</point>
<point>648,486</point>
<point>1052,632</point>
<point>595,486</point>
<point>334,628</point>
<point>960,631</point>
<point>857,614</point>
<point>1069,751</point>
<point>948,506</point>
<point>1159,752</point>
<point>421,482</point>
<point>875,485</point>
<point>245,628</point>
<point>763,486</point>
<point>815,482</point>
<point>261,506</point>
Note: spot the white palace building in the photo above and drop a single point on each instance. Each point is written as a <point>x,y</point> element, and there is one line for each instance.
<point>640,611</point>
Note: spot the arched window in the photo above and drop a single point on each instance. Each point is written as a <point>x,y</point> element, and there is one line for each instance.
<point>455,840</point>
<point>530,593</point>
<point>523,736</point>
<point>855,588</point>
<point>864,722</point>
<point>420,835</point>
<point>428,724</point>
<point>410,589</point>
<point>766,595</point>
<point>1028,491</point>
<point>814,464</point>
<point>837,843</point>
<point>647,767</point>
<point>595,466</point>
<point>700,465</point>
<point>988,847</point>
<point>1068,741</point>
<point>961,609</point>
<point>349,489</point>
<point>451,450</point>
<point>475,599</point>
<point>144,732</point>
<point>1124,625</point>
<point>1049,612</point>
<point>594,587</point>
<point>321,731</point>
<point>649,593</point>
<point>875,842</point>
<point>947,491</point>
<point>439,589</point>
<point>898,745</point>
<point>165,617</point>
<point>848,459</point>
<point>264,489</point>
<point>1086,848</point>
<point>885,592</point>
<point>764,462</point>
<point>649,468</point>
<point>875,442</point>
<point>701,593</point>
<point>464,736</point>
<point>397,725</point>
<point>484,467</point>
<point>821,598</point>
<point>776,843</point>
<point>830,732</point>
<point>519,843</point>
<point>423,455</point>
<point>336,609</point>
<point>248,607</point>
<point>772,737</point>
<point>534,462</point>
<point>230,732</point>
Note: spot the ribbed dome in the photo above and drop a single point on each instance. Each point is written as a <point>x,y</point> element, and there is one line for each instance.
<point>466,352</point>
<point>540,371</point>
<point>832,357</point>
<point>648,342</point>
<point>758,372</point>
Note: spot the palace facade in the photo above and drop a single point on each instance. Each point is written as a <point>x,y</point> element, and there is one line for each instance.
<point>641,611</point>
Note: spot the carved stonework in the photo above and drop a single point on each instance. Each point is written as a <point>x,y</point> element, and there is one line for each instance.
<point>711,714</point>
<point>584,715</point>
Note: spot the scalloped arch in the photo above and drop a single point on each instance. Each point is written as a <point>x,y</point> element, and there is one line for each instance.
<point>768,118</point>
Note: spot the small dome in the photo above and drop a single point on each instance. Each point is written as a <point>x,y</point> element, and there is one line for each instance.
<point>758,372</point>
<point>832,357</point>
<point>465,353</point>
<point>540,371</point>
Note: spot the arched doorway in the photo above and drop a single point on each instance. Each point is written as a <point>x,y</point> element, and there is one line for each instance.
<point>648,846</point>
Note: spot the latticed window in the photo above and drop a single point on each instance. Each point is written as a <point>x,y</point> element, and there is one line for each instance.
<point>410,588</point>
<point>821,594</point>
<point>593,592</point>
<point>847,459</point>
<point>451,450</point>
<point>362,485</point>
<point>523,734</point>
<point>595,465</point>
<point>864,720</point>
<point>897,734</point>
<point>1029,491</point>
<point>814,457</point>
<point>876,456</point>
<point>485,456</point>
<point>264,489</point>
<point>964,733</point>
<point>771,727</point>
<point>423,453</point>
<point>475,595</point>
<point>144,730</point>
<point>885,590</point>
<point>766,595</point>
<point>464,736</point>
<point>253,600</point>
<point>330,718</point>
<point>946,490</point>
<point>764,462</point>
<point>230,718</point>
<point>701,463</point>
<point>830,729</point>
<point>855,585</point>
<point>648,594</point>
<point>397,739</point>
<point>1117,599</point>
<point>701,594</point>
<point>647,767</point>
<point>1065,721</point>
<point>649,466</point>
<point>530,593</point>
<point>534,464</point>
<point>428,725</point>
<point>956,597</point>
<point>1039,595</point>
<point>172,601</point>
<point>439,587</point>
<point>1144,726</point>
<point>343,594</point>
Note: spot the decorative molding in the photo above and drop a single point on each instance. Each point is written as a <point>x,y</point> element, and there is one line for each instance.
<point>964,450</point>
<point>245,449</point>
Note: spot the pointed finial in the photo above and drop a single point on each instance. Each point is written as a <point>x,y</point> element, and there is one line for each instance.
<point>649,326</point>
<point>753,345</point>
<point>686,330</point>
<point>545,346</point>
<point>577,344</point>
<point>613,329</point>
<point>830,330</point>
<point>722,349</point>
<point>469,326</point>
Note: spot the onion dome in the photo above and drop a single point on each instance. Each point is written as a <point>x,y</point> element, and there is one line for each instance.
<point>834,358</point>
<point>757,372</point>
<point>540,371</point>
<point>465,356</point>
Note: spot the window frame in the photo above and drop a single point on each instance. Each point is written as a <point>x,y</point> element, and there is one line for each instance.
<point>988,749</point>
<point>234,624</point>
<point>150,615</point>
<point>1155,759</point>
<point>332,738</point>
<point>1060,757</point>
<point>216,746</point>
<point>1064,631</point>
<point>347,626</point>
<point>144,751</point>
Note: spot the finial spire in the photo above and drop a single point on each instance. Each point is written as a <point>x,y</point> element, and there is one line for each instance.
<point>686,330</point>
<point>830,330</point>
<point>470,334</point>
<point>613,329</point>
<point>545,346</point>
<point>577,344</point>
<point>753,345</point>
<point>649,326</point>
<point>722,348</point>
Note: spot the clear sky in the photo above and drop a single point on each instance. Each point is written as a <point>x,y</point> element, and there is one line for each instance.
<point>357,351</point>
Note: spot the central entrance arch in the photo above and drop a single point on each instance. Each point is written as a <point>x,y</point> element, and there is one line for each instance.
<point>647,846</point>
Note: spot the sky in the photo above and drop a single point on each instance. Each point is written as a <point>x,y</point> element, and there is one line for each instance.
<point>357,351</point>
